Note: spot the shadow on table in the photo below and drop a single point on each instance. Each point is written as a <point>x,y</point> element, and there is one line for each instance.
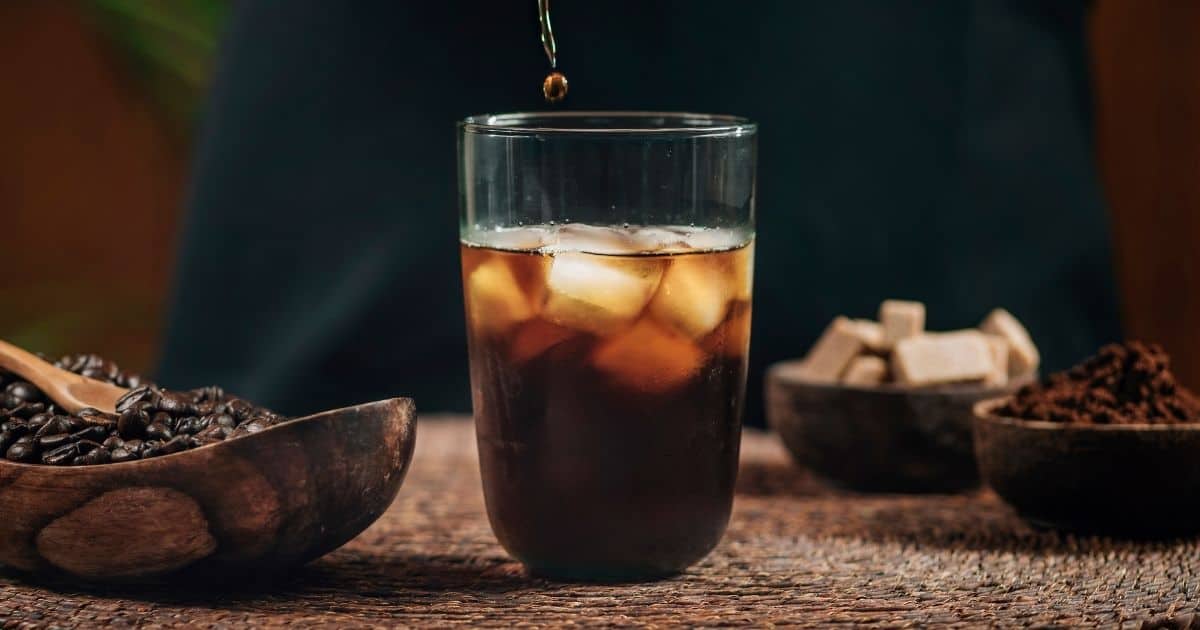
<point>777,478</point>
<point>971,522</point>
<point>410,579</point>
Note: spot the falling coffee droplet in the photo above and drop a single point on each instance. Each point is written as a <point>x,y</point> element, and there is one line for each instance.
<point>554,87</point>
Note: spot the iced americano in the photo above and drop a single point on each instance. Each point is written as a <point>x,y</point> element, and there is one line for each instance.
<point>608,374</point>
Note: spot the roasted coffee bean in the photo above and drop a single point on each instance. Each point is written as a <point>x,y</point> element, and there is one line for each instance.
<point>159,431</point>
<point>97,456</point>
<point>24,450</point>
<point>133,396</point>
<point>48,442</point>
<point>174,404</point>
<point>61,455</point>
<point>55,426</point>
<point>23,391</point>
<point>37,420</point>
<point>150,449</point>
<point>191,425</point>
<point>132,423</point>
<point>94,433</point>
<point>212,434</point>
<point>177,444</point>
<point>28,410</point>
<point>87,446</point>
<point>150,421</point>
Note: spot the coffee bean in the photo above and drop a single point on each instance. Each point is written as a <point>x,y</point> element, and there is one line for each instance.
<point>93,457</point>
<point>49,442</point>
<point>159,431</point>
<point>149,421</point>
<point>61,455</point>
<point>151,449</point>
<point>177,444</point>
<point>122,454</point>
<point>55,426</point>
<point>37,420</point>
<point>95,433</point>
<point>24,450</point>
<point>23,391</point>
<point>174,404</point>
<point>141,394</point>
<point>132,423</point>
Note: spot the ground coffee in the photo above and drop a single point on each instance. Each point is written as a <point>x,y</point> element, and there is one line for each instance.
<point>149,422</point>
<point>1127,383</point>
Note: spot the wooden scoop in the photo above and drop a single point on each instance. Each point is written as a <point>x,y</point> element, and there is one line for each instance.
<point>68,390</point>
<point>259,503</point>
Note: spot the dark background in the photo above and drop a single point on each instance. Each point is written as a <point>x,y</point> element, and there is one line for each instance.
<point>936,151</point>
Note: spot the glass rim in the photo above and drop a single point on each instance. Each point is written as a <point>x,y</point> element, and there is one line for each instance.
<point>687,124</point>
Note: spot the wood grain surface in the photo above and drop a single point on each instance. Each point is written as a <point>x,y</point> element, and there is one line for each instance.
<point>796,553</point>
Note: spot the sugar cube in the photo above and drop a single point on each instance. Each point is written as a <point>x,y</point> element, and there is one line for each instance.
<point>865,371</point>
<point>900,319</point>
<point>832,353</point>
<point>934,359</point>
<point>1023,357</point>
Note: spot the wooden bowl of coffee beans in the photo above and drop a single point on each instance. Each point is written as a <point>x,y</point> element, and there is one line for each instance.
<point>198,484</point>
<point>1110,447</point>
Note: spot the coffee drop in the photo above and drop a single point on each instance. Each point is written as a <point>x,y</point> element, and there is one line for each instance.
<point>554,87</point>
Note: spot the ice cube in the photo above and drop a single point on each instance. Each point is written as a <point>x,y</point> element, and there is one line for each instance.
<point>649,357</point>
<point>599,294</point>
<point>657,239</point>
<point>495,301</point>
<point>515,239</point>
<point>594,239</point>
<point>693,296</point>
<point>732,338</point>
<point>535,337</point>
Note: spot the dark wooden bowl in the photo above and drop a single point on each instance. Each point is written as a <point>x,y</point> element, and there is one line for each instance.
<point>878,439</point>
<point>1138,481</point>
<point>258,503</point>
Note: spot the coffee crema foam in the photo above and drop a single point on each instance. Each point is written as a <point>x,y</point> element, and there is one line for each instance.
<point>609,240</point>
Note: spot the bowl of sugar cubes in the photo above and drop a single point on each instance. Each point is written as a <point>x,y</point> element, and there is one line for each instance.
<point>886,406</point>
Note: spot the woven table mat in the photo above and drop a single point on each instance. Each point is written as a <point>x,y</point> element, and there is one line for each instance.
<point>796,553</point>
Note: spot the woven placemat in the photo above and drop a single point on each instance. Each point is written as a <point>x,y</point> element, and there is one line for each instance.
<point>796,553</point>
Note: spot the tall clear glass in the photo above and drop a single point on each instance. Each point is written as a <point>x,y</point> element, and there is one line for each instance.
<point>607,262</point>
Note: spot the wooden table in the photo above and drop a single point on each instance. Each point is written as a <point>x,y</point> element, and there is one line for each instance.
<point>796,553</point>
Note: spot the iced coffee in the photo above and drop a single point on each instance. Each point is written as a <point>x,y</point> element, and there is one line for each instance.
<point>608,370</point>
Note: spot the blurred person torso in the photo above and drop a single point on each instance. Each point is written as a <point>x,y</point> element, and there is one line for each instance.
<point>934,151</point>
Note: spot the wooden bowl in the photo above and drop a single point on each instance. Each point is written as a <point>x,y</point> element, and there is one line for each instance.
<point>258,503</point>
<point>1138,481</point>
<point>878,439</point>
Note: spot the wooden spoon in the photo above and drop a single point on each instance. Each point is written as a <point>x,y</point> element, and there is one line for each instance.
<point>68,390</point>
<point>263,502</point>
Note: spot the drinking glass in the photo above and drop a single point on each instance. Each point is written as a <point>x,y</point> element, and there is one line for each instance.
<point>607,262</point>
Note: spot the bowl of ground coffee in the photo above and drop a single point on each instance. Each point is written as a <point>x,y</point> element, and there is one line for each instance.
<point>1111,446</point>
